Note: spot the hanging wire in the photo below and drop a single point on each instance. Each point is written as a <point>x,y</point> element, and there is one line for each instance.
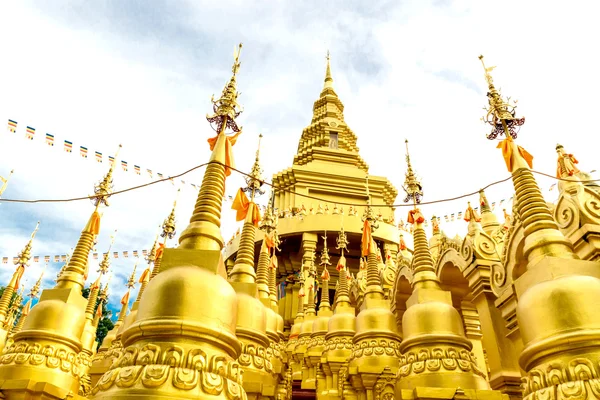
<point>277,188</point>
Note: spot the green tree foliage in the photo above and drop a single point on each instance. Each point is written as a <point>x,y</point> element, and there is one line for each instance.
<point>105,324</point>
<point>14,296</point>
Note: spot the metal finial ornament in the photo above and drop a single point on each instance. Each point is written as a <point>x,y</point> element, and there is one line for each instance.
<point>131,280</point>
<point>325,260</point>
<point>500,114</point>
<point>226,109</point>
<point>369,215</point>
<point>104,264</point>
<point>412,187</point>
<point>342,241</point>
<point>103,189</point>
<point>268,223</point>
<point>35,290</point>
<point>168,226</point>
<point>254,179</point>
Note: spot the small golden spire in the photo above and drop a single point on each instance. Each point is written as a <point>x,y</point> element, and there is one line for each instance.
<point>75,273</point>
<point>104,264</point>
<point>328,78</point>
<point>24,257</point>
<point>35,290</point>
<point>131,281</point>
<point>24,313</point>
<point>412,187</point>
<point>5,182</point>
<point>369,215</point>
<point>168,226</point>
<point>325,262</point>
<point>254,180</point>
<point>537,219</point>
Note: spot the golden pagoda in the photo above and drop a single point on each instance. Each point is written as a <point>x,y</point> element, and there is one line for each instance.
<point>504,312</point>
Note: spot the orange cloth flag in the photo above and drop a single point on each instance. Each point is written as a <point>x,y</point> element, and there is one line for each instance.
<point>341,263</point>
<point>99,311</point>
<point>159,251</point>
<point>507,153</point>
<point>94,224</point>
<point>325,275</point>
<point>367,238</point>
<point>145,276</point>
<point>242,206</point>
<point>125,299</point>
<point>269,242</point>
<point>229,142</point>
<point>415,217</point>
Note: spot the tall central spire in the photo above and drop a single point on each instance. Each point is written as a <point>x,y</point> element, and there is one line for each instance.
<point>328,129</point>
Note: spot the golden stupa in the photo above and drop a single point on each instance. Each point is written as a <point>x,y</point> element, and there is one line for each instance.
<point>507,312</point>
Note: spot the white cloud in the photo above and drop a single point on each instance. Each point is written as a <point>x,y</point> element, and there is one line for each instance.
<point>100,76</point>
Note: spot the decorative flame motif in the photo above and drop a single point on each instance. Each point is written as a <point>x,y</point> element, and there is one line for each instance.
<point>500,114</point>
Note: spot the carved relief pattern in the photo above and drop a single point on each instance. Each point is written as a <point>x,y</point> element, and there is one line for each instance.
<point>385,385</point>
<point>436,359</point>
<point>576,379</point>
<point>152,366</point>
<point>374,347</point>
<point>37,354</point>
<point>255,357</point>
<point>339,343</point>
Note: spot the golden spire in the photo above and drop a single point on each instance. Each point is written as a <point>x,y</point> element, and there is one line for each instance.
<point>243,269</point>
<point>24,257</point>
<point>412,187</point>
<point>325,262</point>
<point>535,214</point>
<point>343,294</point>
<point>203,232</point>
<point>104,264</point>
<point>22,261</point>
<point>422,262</point>
<point>254,180</point>
<point>24,313</point>
<point>35,289</point>
<point>4,182</point>
<point>76,270</point>
<point>489,222</point>
<point>328,78</point>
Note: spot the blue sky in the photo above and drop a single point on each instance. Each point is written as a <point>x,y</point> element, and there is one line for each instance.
<point>109,72</point>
